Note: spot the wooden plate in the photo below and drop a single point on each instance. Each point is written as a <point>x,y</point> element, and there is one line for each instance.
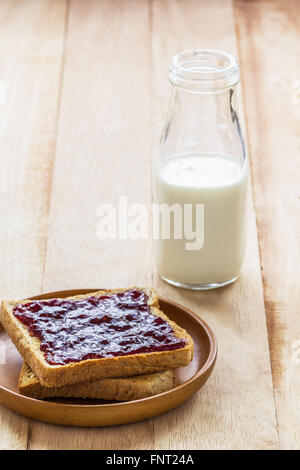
<point>102,413</point>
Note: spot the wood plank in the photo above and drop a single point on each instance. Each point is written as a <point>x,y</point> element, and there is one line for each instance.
<point>269,52</point>
<point>103,151</point>
<point>235,410</point>
<point>31,46</point>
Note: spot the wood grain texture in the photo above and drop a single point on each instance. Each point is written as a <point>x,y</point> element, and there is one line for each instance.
<point>269,52</point>
<point>30,74</point>
<point>103,151</point>
<point>235,410</point>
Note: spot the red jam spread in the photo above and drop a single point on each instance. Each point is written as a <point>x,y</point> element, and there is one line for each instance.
<point>97,327</point>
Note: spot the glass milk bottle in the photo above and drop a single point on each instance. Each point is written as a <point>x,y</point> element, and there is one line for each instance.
<point>201,174</point>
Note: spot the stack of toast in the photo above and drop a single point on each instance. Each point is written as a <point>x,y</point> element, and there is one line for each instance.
<point>111,345</point>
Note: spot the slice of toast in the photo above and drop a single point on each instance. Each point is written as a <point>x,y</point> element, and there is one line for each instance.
<point>122,389</point>
<point>91,369</point>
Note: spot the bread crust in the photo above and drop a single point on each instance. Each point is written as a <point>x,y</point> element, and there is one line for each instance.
<point>119,389</point>
<point>93,369</point>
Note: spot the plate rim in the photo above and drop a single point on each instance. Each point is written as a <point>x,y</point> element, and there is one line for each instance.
<point>210,361</point>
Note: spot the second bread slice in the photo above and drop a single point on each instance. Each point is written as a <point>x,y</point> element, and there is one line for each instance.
<point>122,389</point>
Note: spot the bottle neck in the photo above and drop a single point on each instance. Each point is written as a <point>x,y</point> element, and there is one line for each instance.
<point>205,123</point>
<point>204,106</point>
<point>204,71</point>
<point>202,114</point>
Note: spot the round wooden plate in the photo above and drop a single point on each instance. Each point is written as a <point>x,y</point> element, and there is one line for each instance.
<point>102,413</point>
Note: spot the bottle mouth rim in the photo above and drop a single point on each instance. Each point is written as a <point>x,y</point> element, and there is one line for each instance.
<point>204,70</point>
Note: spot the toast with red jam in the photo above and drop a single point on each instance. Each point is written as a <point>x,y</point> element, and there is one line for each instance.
<point>105,334</point>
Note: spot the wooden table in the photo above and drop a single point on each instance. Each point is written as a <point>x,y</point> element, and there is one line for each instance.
<point>86,92</point>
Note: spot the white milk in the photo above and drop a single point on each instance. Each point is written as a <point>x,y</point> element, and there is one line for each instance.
<point>218,182</point>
